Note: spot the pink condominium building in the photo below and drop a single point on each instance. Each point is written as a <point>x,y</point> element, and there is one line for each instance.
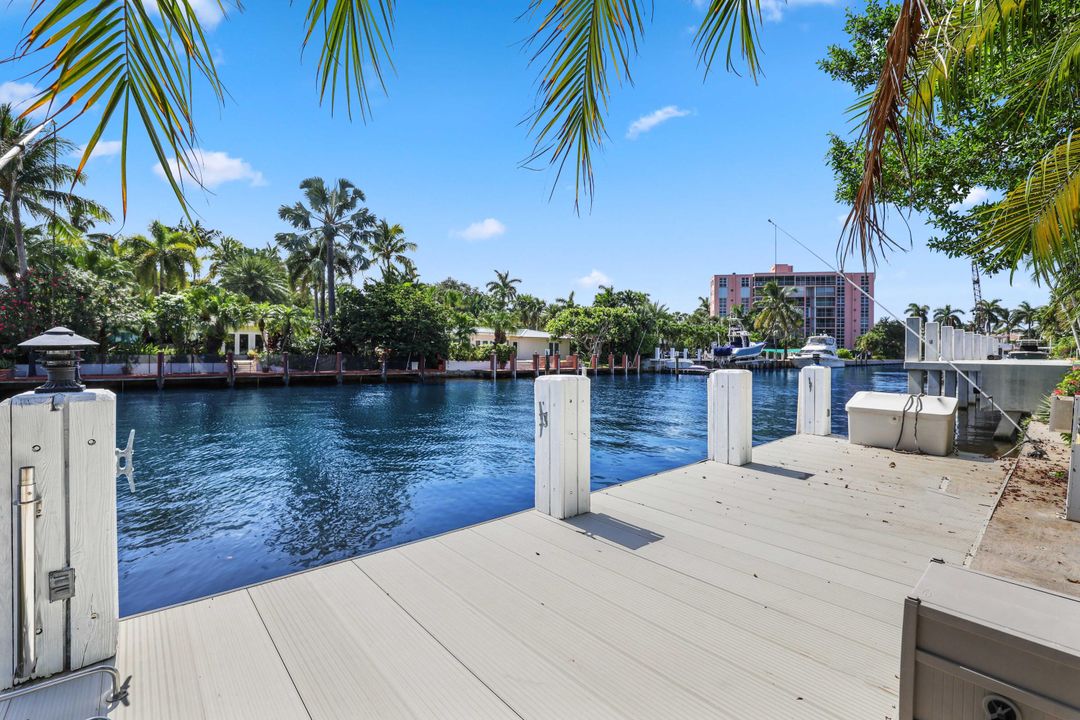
<point>830,306</point>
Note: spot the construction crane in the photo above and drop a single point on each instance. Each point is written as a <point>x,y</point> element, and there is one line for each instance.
<point>976,283</point>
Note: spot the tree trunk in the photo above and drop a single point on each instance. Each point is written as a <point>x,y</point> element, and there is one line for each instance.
<point>16,228</point>
<point>330,290</point>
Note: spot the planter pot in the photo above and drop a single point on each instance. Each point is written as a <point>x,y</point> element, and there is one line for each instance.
<point>1061,413</point>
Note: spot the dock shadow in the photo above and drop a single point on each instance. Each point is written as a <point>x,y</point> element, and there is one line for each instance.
<point>777,470</point>
<point>614,530</point>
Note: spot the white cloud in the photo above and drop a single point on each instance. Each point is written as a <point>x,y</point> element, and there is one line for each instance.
<point>977,195</point>
<point>214,168</point>
<point>773,10</point>
<point>645,123</point>
<point>594,279</point>
<point>18,94</point>
<point>207,11</point>
<point>104,148</point>
<point>482,230</point>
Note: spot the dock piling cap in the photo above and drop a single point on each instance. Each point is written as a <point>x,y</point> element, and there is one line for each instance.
<point>58,338</point>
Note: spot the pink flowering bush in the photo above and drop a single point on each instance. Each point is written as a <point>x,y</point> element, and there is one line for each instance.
<point>1070,384</point>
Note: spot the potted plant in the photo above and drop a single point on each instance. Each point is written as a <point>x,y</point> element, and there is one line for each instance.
<point>1062,399</point>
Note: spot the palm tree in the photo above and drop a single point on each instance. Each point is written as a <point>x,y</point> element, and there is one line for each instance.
<point>286,321</point>
<point>258,276</point>
<point>329,216</point>
<point>160,261</point>
<point>503,288</point>
<point>988,313</point>
<point>530,311</point>
<point>224,251</point>
<point>948,316</point>
<point>1024,316</point>
<point>388,246</point>
<point>501,323</point>
<point>39,186</point>
<point>920,311</point>
<point>777,314</point>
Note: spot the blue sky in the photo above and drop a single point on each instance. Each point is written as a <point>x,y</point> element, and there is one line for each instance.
<point>691,172</point>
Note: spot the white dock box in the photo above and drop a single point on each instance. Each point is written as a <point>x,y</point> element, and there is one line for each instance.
<point>877,419</point>
<point>977,646</point>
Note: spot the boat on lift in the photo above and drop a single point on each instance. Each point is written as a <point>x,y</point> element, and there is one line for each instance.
<point>739,346</point>
<point>818,350</point>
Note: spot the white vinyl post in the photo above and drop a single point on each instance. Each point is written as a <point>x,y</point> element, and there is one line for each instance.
<point>932,340</point>
<point>730,424</point>
<point>814,413</point>
<point>913,340</point>
<point>60,448</point>
<point>946,343</point>
<point>1072,493</point>
<point>562,434</point>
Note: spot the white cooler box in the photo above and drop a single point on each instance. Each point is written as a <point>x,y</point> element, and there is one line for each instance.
<point>874,419</point>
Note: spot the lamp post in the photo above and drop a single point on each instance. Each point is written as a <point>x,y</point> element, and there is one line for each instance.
<point>60,349</point>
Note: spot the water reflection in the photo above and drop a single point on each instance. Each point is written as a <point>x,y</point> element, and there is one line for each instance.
<point>240,486</point>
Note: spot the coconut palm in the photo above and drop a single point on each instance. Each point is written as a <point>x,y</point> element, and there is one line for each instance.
<point>920,311</point>
<point>503,288</point>
<point>530,310</point>
<point>501,322</point>
<point>388,246</point>
<point>947,315</point>
<point>1024,315</point>
<point>160,261</point>
<point>987,314</point>
<point>330,216</point>
<point>777,315</point>
<point>39,186</point>
<point>258,276</point>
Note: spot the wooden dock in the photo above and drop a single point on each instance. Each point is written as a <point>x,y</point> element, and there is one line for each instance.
<point>772,590</point>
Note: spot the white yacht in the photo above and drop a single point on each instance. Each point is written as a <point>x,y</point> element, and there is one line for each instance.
<point>818,350</point>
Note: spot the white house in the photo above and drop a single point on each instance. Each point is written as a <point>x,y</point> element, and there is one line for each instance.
<point>244,338</point>
<point>527,342</point>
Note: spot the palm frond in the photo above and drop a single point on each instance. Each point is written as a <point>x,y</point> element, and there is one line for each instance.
<point>864,229</point>
<point>723,21</point>
<point>578,43</point>
<point>115,52</point>
<point>1038,219</point>
<point>356,40</point>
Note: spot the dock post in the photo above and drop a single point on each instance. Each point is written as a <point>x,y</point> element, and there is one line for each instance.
<point>611,363</point>
<point>558,364</point>
<point>536,365</point>
<point>421,366</point>
<point>1072,492</point>
<point>814,411</point>
<point>594,364</point>
<point>230,369</point>
<point>513,365</point>
<point>285,367</point>
<point>160,370</point>
<point>625,369</point>
<point>494,366</point>
<point>730,424</point>
<point>562,435</point>
<point>637,363</point>
<point>913,340</point>
<point>932,352</point>
<point>339,368</point>
<point>945,347</point>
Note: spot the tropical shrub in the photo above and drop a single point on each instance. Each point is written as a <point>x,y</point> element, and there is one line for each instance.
<point>1070,384</point>
<point>883,341</point>
<point>845,354</point>
<point>398,319</point>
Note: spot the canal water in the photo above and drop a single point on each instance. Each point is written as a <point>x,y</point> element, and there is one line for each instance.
<point>239,486</point>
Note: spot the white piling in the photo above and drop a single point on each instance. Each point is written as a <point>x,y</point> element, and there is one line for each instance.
<point>562,437</point>
<point>913,340</point>
<point>1072,493</point>
<point>814,413</point>
<point>932,340</point>
<point>946,343</point>
<point>730,424</point>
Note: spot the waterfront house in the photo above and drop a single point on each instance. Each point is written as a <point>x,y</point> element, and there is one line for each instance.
<point>527,342</point>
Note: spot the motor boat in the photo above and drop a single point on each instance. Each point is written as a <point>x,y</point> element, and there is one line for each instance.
<point>1028,349</point>
<point>818,350</point>
<point>739,345</point>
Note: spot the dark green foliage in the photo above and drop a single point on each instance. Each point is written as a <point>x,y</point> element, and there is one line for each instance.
<point>394,320</point>
<point>884,340</point>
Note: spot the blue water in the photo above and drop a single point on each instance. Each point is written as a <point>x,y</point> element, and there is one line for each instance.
<point>238,486</point>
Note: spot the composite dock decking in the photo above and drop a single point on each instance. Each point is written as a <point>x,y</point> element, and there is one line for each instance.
<point>773,590</point>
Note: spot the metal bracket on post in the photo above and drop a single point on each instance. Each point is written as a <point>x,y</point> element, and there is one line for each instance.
<point>126,468</point>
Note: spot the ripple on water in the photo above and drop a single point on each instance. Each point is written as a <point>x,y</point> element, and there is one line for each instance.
<point>238,486</point>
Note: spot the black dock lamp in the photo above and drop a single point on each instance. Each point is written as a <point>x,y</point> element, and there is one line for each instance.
<point>60,349</point>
